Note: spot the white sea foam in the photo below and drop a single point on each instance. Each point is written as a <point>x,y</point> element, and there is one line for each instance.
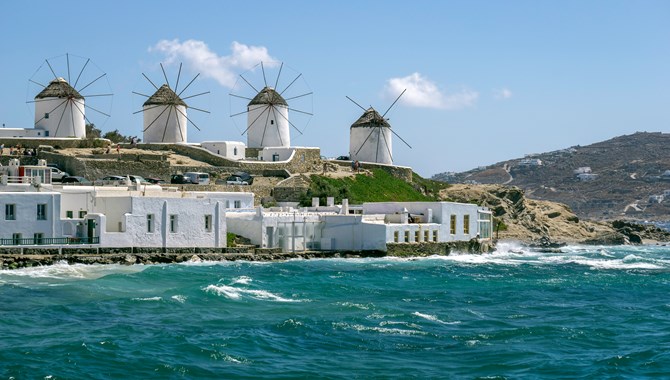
<point>434,318</point>
<point>242,280</point>
<point>387,330</point>
<point>378,329</point>
<point>179,298</point>
<point>65,271</point>
<point>354,305</point>
<point>234,293</point>
<point>148,299</point>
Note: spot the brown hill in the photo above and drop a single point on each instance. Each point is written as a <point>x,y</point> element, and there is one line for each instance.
<point>624,177</point>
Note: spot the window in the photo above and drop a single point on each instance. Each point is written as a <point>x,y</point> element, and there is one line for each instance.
<point>238,204</point>
<point>396,236</point>
<point>272,122</point>
<point>208,223</point>
<point>38,238</point>
<point>82,214</point>
<point>435,235</point>
<point>42,211</point>
<point>10,212</point>
<point>426,235</point>
<point>46,115</point>
<point>406,236</point>
<point>150,223</point>
<point>16,238</point>
<point>466,224</point>
<point>452,225</point>
<point>235,151</point>
<point>173,223</point>
<point>417,236</point>
<point>69,214</point>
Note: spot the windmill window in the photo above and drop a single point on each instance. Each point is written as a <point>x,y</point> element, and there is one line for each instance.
<point>46,115</point>
<point>235,151</point>
<point>272,122</point>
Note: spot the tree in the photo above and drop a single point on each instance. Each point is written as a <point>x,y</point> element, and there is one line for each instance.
<point>116,137</point>
<point>92,132</point>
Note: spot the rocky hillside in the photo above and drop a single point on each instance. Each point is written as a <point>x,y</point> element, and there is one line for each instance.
<point>621,178</point>
<point>546,223</point>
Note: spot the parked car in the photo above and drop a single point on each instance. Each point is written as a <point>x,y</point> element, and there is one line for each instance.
<point>235,180</point>
<point>343,158</point>
<point>77,179</point>
<point>134,178</point>
<point>245,177</point>
<point>156,181</point>
<point>57,175</point>
<point>111,179</point>
<point>180,179</point>
<point>198,177</point>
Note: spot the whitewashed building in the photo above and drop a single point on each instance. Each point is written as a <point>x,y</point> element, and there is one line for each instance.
<point>38,213</point>
<point>377,224</point>
<point>232,150</point>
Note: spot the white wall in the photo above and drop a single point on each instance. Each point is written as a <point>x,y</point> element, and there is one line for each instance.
<point>21,132</point>
<point>190,224</point>
<point>26,222</point>
<point>267,128</point>
<point>66,117</point>
<point>370,145</point>
<point>233,150</point>
<point>283,154</point>
<point>169,127</point>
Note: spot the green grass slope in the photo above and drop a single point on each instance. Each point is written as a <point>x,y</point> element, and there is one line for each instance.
<point>378,187</point>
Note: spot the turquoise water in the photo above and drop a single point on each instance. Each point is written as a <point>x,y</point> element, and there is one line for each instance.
<point>590,312</point>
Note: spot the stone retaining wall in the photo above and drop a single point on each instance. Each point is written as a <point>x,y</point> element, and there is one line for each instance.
<point>20,257</point>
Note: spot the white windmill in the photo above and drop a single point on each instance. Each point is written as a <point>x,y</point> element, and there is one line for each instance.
<point>267,110</point>
<point>60,108</point>
<point>164,113</point>
<point>370,137</point>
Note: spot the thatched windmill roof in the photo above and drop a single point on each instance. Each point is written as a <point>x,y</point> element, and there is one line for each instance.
<point>165,96</point>
<point>268,95</point>
<point>370,119</point>
<point>59,88</point>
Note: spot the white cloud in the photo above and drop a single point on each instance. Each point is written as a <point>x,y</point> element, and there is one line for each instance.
<point>421,92</point>
<point>502,93</point>
<point>223,69</point>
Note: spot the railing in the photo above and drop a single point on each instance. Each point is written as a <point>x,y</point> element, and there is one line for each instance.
<point>51,241</point>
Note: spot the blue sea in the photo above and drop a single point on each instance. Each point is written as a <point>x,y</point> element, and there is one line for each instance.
<point>587,312</point>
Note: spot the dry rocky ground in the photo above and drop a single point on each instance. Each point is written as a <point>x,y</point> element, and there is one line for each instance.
<point>545,223</point>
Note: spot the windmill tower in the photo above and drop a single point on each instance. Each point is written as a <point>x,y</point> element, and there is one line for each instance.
<point>61,108</point>
<point>267,122</point>
<point>60,105</point>
<point>164,113</point>
<point>371,137</point>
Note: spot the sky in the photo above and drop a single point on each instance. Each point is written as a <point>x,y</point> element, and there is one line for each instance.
<point>485,81</point>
